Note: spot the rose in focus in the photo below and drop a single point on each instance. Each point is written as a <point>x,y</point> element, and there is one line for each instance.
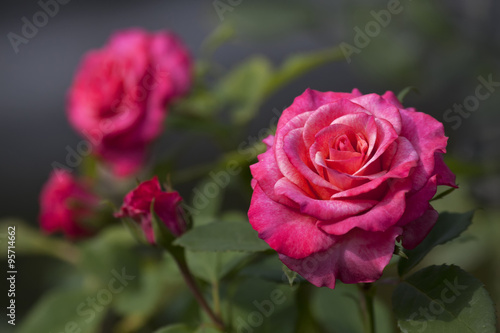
<point>345,176</point>
<point>119,95</point>
<point>137,206</point>
<point>65,204</point>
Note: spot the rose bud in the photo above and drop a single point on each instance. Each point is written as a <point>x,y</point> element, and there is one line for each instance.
<point>137,206</point>
<point>119,95</point>
<point>65,204</point>
<point>345,176</point>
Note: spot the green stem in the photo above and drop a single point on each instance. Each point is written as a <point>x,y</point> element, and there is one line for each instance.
<point>237,159</point>
<point>368,291</point>
<point>305,319</point>
<point>190,282</point>
<point>215,297</point>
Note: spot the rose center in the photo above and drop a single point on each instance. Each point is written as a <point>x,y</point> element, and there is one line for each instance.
<point>342,143</point>
<point>351,142</point>
<point>347,153</point>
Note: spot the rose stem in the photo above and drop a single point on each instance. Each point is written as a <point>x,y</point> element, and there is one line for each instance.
<point>368,292</point>
<point>188,278</point>
<point>215,296</point>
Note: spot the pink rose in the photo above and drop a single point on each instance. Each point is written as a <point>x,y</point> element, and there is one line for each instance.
<point>65,203</point>
<point>137,206</point>
<point>120,92</point>
<point>346,175</point>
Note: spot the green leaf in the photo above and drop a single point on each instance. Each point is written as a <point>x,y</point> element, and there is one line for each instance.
<point>196,110</point>
<point>113,249</point>
<point>402,94</point>
<point>299,64</point>
<point>338,310</point>
<point>182,328</point>
<point>157,283</point>
<point>448,226</point>
<point>222,236</point>
<point>262,307</point>
<point>291,275</point>
<point>443,194</point>
<point>213,266</point>
<point>64,311</point>
<point>443,299</point>
<point>269,268</point>
<point>223,33</point>
<point>207,329</point>
<point>243,88</point>
<point>205,208</point>
<point>176,328</point>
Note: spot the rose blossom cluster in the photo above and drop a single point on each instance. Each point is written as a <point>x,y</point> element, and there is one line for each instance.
<point>119,95</point>
<point>345,176</point>
<point>118,102</point>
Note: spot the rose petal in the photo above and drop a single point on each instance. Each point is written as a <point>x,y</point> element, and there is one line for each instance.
<point>326,210</point>
<point>426,135</point>
<point>296,153</point>
<point>285,166</point>
<point>404,160</point>
<point>288,231</point>
<point>167,208</point>
<point>311,100</point>
<point>364,124</point>
<point>337,178</point>
<point>415,231</point>
<point>390,97</point>
<point>357,257</point>
<point>269,141</point>
<point>382,216</point>
<point>266,173</point>
<point>147,228</point>
<point>323,142</point>
<point>326,115</point>
<point>123,163</point>
<point>381,109</point>
<point>385,136</point>
<point>417,202</point>
<point>444,174</point>
<point>344,161</point>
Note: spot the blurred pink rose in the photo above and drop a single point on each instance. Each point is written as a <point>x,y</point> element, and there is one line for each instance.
<point>344,176</point>
<point>119,95</point>
<point>65,204</point>
<point>137,206</point>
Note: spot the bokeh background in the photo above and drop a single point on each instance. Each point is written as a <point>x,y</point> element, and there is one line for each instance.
<point>441,48</point>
